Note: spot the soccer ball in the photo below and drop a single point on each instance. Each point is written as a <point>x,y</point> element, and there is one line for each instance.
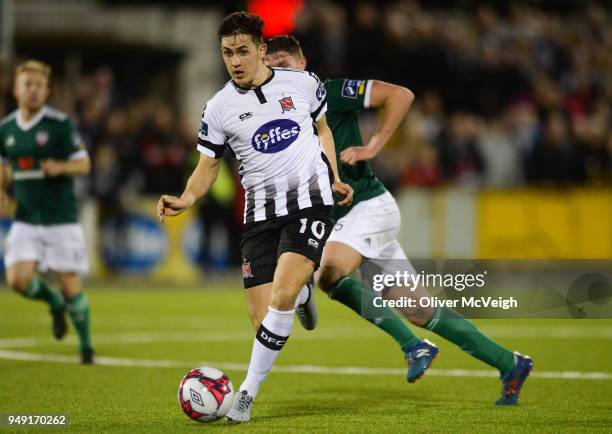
<point>205,394</point>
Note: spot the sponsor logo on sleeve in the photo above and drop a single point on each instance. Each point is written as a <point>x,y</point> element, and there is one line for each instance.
<point>353,88</point>
<point>204,128</point>
<point>320,91</point>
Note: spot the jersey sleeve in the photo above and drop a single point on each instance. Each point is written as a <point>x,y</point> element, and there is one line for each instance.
<point>348,95</point>
<point>315,90</point>
<point>72,142</point>
<point>211,139</point>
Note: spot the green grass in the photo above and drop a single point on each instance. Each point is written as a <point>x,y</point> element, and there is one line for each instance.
<point>195,325</point>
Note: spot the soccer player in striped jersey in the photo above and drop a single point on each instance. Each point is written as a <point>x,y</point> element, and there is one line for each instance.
<point>45,152</point>
<point>365,232</point>
<point>273,122</point>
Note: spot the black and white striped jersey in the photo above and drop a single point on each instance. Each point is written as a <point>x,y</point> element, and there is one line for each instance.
<point>270,130</point>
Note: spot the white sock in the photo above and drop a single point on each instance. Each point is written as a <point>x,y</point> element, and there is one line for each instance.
<point>269,340</point>
<point>302,296</point>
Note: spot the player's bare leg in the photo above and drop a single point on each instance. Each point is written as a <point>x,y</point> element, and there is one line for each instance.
<point>339,260</point>
<point>292,272</point>
<point>21,276</point>
<point>417,315</point>
<point>77,306</point>
<point>258,300</point>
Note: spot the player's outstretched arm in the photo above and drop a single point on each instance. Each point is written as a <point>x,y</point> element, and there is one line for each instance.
<point>200,181</point>
<point>395,102</point>
<point>329,149</point>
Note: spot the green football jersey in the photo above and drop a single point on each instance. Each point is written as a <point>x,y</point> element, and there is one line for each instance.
<point>344,99</point>
<point>41,200</point>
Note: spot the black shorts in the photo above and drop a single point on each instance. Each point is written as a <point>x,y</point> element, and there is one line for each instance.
<point>263,242</point>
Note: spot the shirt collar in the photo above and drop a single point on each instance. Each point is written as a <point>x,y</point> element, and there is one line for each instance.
<point>26,125</point>
<point>268,80</point>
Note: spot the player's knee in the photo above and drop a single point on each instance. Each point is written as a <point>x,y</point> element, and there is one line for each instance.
<point>19,281</point>
<point>282,300</point>
<point>417,316</point>
<point>70,291</point>
<point>70,284</point>
<point>328,277</point>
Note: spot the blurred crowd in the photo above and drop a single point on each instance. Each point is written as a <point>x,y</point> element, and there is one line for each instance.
<point>506,96</point>
<point>141,146</point>
<point>508,93</point>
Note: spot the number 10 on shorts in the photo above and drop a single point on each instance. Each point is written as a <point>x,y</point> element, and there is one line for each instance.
<point>317,228</point>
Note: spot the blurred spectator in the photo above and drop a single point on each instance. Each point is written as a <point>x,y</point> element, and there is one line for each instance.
<point>553,161</point>
<point>422,170</point>
<point>364,55</point>
<point>321,29</point>
<point>164,155</point>
<point>592,141</point>
<point>502,158</point>
<point>418,155</point>
<point>459,151</point>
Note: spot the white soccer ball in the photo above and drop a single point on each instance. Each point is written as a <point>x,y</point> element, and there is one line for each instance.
<point>205,394</point>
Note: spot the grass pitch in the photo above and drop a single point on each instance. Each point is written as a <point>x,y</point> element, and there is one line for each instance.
<point>346,376</point>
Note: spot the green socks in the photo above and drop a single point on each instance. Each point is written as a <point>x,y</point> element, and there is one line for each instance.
<point>78,309</point>
<point>352,294</point>
<point>446,323</point>
<point>455,328</point>
<point>39,290</point>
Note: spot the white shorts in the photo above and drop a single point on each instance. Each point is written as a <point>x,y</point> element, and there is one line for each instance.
<point>371,227</point>
<point>55,247</point>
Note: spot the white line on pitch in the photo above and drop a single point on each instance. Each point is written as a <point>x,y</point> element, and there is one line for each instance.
<point>564,332</point>
<point>302,369</point>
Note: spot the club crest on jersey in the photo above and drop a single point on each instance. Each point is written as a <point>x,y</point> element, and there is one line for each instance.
<point>286,104</point>
<point>42,138</point>
<point>10,141</point>
<point>274,136</point>
<point>246,270</point>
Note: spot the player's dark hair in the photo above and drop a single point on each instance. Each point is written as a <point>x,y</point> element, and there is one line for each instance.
<point>242,23</point>
<point>286,43</point>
